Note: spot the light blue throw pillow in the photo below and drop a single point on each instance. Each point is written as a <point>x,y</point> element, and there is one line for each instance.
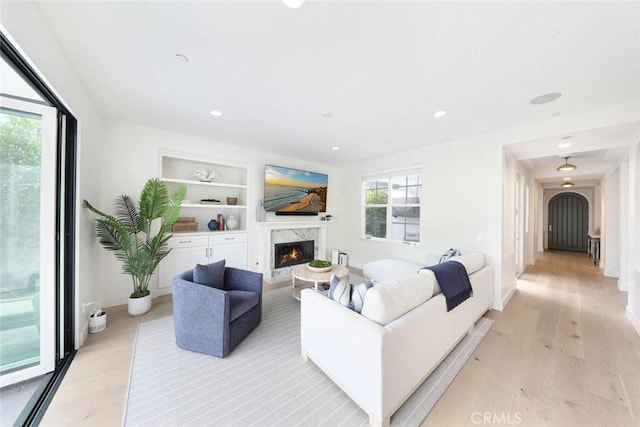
<point>358,294</point>
<point>210,275</point>
<point>339,290</point>
<point>348,295</point>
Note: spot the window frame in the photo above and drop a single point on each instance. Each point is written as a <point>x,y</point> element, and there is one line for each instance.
<point>389,177</point>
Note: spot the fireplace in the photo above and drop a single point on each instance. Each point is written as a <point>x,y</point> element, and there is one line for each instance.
<point>292,253</point>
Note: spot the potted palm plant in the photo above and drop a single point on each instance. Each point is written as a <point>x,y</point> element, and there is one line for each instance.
<point>131,235</point>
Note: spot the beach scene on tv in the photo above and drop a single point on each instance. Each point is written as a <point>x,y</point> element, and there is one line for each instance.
<point>292,190</point>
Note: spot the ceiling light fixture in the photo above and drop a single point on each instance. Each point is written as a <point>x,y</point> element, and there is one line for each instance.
<point>567,178</point>
<point>566,167</point>
<point>545,99</point>
<point>327,114</point>
<point>565,145</point>
<point>567,184</point>
<point>439,113</point>
<point>293,4</point>
<point>216,113</point>
<point>336,148</point>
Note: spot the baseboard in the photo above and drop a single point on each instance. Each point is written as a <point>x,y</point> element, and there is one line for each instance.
<point>507,297</point>
<point>622,286</point>
<point>633,319</point>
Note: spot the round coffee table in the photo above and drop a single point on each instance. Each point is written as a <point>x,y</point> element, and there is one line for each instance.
<point>301,272</point>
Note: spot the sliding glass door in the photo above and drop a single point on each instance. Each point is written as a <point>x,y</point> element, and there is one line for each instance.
<point>28,141</point>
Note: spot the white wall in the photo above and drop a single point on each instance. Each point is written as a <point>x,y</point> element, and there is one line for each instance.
<point>24,24</point>
<point>132,157</point>
<point>633,306</point>
<point>461,205</point>
<point>611,231</point>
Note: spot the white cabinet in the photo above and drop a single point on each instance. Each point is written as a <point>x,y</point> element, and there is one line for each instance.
<point>229,184</point>
<point>189,249</point>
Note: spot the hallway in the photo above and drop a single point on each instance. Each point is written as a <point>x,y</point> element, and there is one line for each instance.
<point>561,354</point>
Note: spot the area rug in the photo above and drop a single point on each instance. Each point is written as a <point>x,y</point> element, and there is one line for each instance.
<point>263,382</point>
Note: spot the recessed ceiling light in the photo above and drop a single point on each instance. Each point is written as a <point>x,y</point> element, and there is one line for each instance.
<point>335,148</point>
<point>293,4</point>
<point>216,113</point>
<point>546,98</point>
<point>439,113</point>
<point>565,145</point>
<point>567,178</point>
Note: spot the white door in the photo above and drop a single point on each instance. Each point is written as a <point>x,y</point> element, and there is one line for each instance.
<point>27,239</point>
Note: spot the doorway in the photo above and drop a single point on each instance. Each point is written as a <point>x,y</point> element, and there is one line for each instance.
<point>568,222</point>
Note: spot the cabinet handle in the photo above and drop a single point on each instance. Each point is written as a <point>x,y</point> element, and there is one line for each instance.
<point>185,241</point>
<point>229,238</point>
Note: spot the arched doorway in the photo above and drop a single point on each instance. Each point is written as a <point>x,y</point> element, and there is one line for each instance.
<point>568,222</point>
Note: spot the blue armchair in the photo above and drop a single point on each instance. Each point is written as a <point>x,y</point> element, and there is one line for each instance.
<point>214,321</point>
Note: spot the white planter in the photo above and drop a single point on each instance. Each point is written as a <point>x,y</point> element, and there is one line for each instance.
<point>139,306</point>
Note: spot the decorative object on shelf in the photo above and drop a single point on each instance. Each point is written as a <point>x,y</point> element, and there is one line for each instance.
<point>328,217</point>
<point>213,225</point>
<point>128,234</point>
<point>232,222</point>
<point>221,222</point>
<point>205,176</point>
<point>210,201</point>
<point>260,211</point>
<point>566,167</point>
<point>319,266</point>
<point>232,200</point>
<point>185,224</point>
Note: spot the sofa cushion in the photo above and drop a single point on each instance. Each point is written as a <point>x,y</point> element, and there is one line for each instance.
<point>386,301</point>
<point>386,269</point>
<point>472,262</point>
<point>210,275</point>
<point>339,290</point>
<point>240,302</point>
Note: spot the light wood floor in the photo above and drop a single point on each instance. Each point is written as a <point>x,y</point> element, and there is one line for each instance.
<point>561,354</point>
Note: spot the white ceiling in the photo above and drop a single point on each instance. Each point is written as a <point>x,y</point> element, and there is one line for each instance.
<point>380,68</point>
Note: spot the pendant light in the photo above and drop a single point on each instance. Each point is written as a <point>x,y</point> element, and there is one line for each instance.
<point>567,184</point>
<point>566,167</point>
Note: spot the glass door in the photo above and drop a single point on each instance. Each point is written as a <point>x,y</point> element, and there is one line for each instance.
<point>28,135</point>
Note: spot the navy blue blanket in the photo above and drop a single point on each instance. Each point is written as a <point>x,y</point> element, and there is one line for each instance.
<point>454,282</point>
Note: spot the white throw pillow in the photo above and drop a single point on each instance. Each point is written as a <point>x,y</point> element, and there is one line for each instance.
<point>386,301</point>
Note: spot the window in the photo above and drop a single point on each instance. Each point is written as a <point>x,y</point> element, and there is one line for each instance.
<point>392,206</point>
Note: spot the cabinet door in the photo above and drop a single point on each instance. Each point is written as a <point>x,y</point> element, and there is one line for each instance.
<point>235,254</point>
<point>180,259</point>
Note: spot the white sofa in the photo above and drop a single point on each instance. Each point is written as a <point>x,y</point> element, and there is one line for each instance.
<point>380,366</point>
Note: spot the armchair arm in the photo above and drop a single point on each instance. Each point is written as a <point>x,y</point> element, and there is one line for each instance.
<point>201,316</point>
<point>242,280</point>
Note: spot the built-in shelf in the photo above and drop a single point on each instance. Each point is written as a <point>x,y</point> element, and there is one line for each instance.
<point>231,179</point>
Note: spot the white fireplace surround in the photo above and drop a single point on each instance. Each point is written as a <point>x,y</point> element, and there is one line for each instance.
<point>289,231</point>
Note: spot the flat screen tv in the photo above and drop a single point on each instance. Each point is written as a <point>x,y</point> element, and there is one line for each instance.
<point>290,191</point>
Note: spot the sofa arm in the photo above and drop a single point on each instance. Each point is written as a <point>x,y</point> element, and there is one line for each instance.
<point>242,280</point>
<point>347,346</point>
